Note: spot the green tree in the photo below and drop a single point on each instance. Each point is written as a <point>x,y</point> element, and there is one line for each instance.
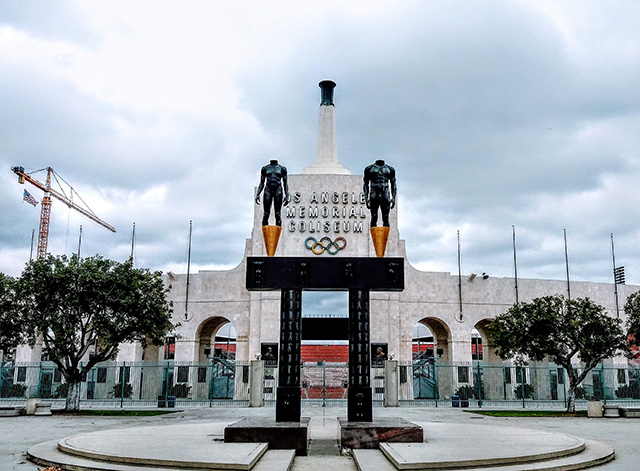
<point>10,326</point>
<point>86,308</point>
<point>632,310</point>
<point>559,329</point>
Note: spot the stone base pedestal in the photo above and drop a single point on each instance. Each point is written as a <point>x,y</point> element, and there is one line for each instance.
<point>279,435</point>
<point>370,434</point>
<point>288,403</point>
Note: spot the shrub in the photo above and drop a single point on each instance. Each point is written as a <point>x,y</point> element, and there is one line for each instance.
<point>631,391</point>
<point>117,390</point>
<point>466,392</point>
<point>179,390</point>
<point>13,390</point>
<point>528,391</point>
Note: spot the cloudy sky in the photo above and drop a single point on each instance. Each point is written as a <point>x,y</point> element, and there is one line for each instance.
<point>494,113</point>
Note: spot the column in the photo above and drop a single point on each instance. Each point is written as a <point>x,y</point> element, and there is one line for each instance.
<point>288,393</point>
<point>359,404</point>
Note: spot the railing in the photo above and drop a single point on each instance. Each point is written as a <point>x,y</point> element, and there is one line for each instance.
<point>222,381</point>
<point>121,384</point>
<point>479,384</point>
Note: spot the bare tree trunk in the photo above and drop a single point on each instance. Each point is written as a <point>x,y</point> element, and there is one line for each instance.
<point>571,400</point>
<point>73,396</point>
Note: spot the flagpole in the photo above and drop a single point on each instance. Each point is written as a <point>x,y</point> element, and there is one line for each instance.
<point>186,300</point>
<point>133,240</point>
<point>459,277</point>
<point>615,282</point>
<point>515,262</point>
<point>566,259</point>
<point>33,232</point>
<point>79,241</point>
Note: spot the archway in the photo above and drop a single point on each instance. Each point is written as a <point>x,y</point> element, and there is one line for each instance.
<point>433,337</point>
<point>430,342</point>
<point>495,383</point>
<point>486,350</point>
<point>216,338</point>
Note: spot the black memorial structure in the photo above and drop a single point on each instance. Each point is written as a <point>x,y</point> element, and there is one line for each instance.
<point>292,275</point>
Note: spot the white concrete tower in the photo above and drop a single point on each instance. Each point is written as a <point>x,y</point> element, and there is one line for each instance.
<point>327,155</point>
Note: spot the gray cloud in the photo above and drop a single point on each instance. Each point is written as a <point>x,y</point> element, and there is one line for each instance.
<point>508,114</point>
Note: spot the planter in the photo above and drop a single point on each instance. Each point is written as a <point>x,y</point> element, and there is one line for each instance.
<point>171,401</point>
<point>594,408</point>
<point>611,411</point>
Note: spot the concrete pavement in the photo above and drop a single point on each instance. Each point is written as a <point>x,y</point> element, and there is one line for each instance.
<point>17,434</point>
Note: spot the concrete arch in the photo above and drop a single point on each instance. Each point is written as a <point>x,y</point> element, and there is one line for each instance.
<point>205,336</point>
<point>441,336</point>
<point>488,348</point>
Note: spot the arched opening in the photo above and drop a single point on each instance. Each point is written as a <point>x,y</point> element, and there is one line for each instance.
<point>214,375</point>
<point>430,341</point>
<point>481,337</point>
<point>216,340</point>
<point>495,381</point>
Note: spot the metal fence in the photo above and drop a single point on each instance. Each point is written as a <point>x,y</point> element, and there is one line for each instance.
<point>424,382</point>
<point>505,384</point>
<point>166,384</point>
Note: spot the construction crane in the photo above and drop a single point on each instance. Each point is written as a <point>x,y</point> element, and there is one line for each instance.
<point>45,207</point>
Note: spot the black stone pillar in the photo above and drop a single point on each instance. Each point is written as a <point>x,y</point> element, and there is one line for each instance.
<point>288,393</point>
<point>359,403</point>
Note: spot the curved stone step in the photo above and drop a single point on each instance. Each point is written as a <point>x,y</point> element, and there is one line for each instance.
<point>594,454</point>
<point>48,454</point>
<point>189,446</point>
<point>451,446</point>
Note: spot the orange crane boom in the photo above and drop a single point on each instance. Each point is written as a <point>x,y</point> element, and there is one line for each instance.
<point>45,207</point>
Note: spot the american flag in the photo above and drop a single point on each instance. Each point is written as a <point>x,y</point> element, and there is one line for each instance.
<point>28,198</point>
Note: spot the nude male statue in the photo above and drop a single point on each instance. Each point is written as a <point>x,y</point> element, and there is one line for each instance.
<point>273,177</point>
<point>378,177</point>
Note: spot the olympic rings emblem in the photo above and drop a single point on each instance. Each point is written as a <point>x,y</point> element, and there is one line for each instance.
<point>319,246</point>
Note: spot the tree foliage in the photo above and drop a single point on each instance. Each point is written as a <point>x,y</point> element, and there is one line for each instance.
<point>83,309</point>
<point>632,310</point>
<point>10,326</point>
<point>556,328</point>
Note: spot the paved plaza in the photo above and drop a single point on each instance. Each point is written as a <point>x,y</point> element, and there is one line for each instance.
<point>17,434</point>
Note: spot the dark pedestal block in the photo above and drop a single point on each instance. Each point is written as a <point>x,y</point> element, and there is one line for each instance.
<point>370,434</point>
<point>288,400</point>
<point>360,404</point>
<point>279,435</point>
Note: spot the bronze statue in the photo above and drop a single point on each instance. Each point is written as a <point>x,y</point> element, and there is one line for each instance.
<point>377,179</point>
<point>273,177</point>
